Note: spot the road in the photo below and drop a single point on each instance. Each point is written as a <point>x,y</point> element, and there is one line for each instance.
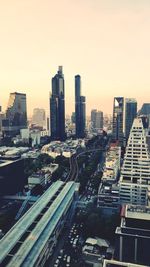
<point>74,168</point>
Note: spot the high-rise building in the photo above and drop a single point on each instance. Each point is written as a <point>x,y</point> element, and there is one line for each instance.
<point>130,115</point>
<point>2,117</point>
<point>96,119</point>
<point>39,117</point>
<point>145,110</point>
<point>57,106</point>
<point>99,120</point>
<point>16,112</point>
<point>93,118</point>
<point>118,109</point>
<point>80,109</point>
<point>135,172</point>
<point>133,235</point>
<point>73,117</point>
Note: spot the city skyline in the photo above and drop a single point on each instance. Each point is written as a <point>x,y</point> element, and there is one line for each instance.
<point>106,42</point>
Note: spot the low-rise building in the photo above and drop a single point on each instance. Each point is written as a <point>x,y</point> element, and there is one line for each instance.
<point>96,250</point>
<point>43,176</point>
<point>12,177</point>
<point>67,148</point>
<point>108,199</point>
<point>112,165</point>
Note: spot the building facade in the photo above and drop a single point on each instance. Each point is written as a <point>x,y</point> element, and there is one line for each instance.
<point>16,113</point>
<point>93,118</point>
<point>130,115</point>
<point>133,235</point>
<point>118,109</point>
<point>96,119</point>
<point>80,109</point>
<point>135,172</point>
<point>57,106</point>
<point>39,117</point>
<point>99,120</point>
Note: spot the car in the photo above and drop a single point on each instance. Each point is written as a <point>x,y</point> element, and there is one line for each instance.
<point>61,251</point>
<point>75,243</point>
<point>65,257</point>
<point>68,259</point>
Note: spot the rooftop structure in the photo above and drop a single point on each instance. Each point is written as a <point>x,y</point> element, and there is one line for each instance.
<point>137,212</point>
<point>32,239</point>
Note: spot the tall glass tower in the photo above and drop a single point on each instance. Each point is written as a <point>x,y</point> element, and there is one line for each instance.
<point>57,106</point>
<point>80,106</point>
<point>118,108</point>
<point>130,114</point>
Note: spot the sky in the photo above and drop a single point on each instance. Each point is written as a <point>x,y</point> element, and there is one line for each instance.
<point>107,42</point>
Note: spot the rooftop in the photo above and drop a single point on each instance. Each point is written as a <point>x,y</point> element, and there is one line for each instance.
<point>137,212</point>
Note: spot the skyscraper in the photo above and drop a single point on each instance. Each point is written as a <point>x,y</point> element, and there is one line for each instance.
<point>130,115</point>
<point>97,119</point>
<point>145,110</point>
<point>57,106</point>
<point>135,172</point>
<point>93,118</point>
<point>118,108</point>
<point>80,107</point>
<point>16,112</point>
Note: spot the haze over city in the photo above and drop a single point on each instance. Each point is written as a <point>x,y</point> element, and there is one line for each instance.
<point>105,41</point>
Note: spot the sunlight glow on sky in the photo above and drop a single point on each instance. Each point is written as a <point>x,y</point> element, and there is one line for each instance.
<point>107,42</point>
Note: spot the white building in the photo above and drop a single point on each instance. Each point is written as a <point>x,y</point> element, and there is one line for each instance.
<point>112,165</point>
<point>108,194</point>
<point>43,176</point>
<point>135,173</point>
<point>39,117</point>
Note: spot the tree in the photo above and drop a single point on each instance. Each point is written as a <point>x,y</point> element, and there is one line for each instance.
<point>37,190</point>
<point>45,159</point>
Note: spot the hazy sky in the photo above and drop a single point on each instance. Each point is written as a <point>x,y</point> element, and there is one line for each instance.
<point>107,42</point>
